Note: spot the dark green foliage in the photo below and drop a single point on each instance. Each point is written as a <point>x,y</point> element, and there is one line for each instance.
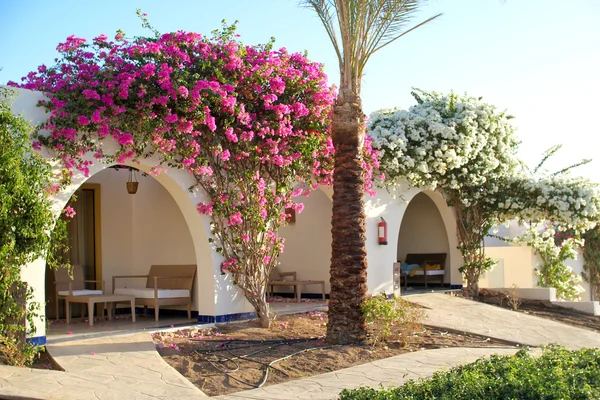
<point>557,374</point>
<point>25,222</point>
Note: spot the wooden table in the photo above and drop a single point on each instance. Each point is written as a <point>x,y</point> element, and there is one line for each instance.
<point>99,298</point>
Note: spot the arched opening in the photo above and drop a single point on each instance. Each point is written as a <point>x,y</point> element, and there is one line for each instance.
<point>423,231</point>
<point>117,233</point>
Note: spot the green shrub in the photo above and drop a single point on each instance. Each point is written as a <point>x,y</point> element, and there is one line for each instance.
<point>25,222</point>
<point>557,374</point>
<point>386,317</point>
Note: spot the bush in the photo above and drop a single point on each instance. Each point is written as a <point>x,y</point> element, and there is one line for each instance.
<point>386,317</point>
<point>25,220</point>
<point>557,374</point>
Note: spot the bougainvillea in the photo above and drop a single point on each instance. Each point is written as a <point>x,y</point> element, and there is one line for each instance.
<point>248,122</point>
<point>467,149</point>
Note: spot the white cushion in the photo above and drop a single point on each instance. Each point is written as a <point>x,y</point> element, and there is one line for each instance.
<point>430,272</point>
<point>83,292</point>
<point>148,293</point>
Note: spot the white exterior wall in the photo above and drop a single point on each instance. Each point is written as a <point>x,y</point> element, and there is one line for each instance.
<point>392,206</point>
<point>160,224</point>
<point>514,268</point>
<point>308,242</point>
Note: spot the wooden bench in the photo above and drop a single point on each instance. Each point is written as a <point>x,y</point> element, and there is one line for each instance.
<point>166,285</point>
<point>425,260</point>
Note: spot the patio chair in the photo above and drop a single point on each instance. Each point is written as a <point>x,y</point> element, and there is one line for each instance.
<point>278,279</point>
<point>70,286</point>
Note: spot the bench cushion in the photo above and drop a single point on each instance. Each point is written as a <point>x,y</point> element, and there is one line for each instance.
<point>429,272</point>
<point>147,293</point>
<point>81,292</point>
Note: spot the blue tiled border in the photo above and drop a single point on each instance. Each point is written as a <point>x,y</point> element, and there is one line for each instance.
<point>456,286</point>
<point>37,341</point>
<point>212,319</point>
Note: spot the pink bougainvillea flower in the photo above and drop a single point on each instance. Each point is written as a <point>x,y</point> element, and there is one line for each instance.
<point>69,212</point>
<point>83,120</point>
<point>171,118</point>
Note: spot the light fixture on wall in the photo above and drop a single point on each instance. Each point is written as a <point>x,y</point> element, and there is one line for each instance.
<point>132,183</point>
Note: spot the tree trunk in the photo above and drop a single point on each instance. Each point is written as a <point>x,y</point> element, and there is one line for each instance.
<point>348,256</point>
<point>263,311</point>
<point>472,275</point>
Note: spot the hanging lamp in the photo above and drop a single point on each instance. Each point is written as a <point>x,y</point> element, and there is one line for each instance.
<point>132,183</point>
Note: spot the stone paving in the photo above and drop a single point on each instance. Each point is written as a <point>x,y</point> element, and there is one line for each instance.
<point>393,371</point>
<point>110,367</point>
<point>471,316</point>
<point>127,366</point>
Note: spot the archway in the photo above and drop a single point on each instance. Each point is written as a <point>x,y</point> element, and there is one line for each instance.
<point>423,230</point>
<point>117,233</point>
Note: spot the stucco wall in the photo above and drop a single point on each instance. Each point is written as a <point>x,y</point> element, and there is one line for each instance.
<point>392,206</point>
<point>514,268</point>
<point>308,242</point>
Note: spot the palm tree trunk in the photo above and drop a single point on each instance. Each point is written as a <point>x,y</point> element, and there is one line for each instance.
<point>348,257</point>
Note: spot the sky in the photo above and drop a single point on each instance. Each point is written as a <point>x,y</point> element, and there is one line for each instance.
<point>537,59</point>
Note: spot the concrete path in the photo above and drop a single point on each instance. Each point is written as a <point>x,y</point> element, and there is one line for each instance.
<point>128,366</point>
<point>111,367</point>
<point>393,371</point>
<point>470,316</point>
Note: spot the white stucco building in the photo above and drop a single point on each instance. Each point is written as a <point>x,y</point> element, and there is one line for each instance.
<point>122,234</point>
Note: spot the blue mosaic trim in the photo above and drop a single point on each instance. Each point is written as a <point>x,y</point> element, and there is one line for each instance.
<point>456,286</point>
<point>37,341</point>
<point>212,319</point>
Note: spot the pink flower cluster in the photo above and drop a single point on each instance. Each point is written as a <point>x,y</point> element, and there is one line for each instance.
<point>247,122</point>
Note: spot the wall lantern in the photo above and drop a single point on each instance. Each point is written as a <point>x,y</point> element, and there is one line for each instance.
<point>132,183</point>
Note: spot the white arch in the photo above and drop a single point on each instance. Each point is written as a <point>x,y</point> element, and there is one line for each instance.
<point>391,205</point>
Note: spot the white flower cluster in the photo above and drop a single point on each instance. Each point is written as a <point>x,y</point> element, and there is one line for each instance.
<point>444,141</point>
<point>570,202</point>
<point>467,149</point>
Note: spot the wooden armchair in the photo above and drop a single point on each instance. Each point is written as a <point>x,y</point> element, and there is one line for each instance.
<point>73,286</point>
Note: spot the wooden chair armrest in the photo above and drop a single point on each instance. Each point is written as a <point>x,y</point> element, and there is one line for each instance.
<point>95,281</point>
<point>130,276</point>
<point>173,277</point>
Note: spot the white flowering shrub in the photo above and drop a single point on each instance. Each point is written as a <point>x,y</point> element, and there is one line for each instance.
<point>467,150</point>
<point>552,271</point>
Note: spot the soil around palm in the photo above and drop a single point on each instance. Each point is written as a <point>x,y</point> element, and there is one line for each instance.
<point>235,357</point>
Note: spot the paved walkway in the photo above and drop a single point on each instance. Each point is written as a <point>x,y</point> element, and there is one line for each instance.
<point>392,371</point>
<point>471,316</point>
<point>110,367</point>
<point>128,367</point>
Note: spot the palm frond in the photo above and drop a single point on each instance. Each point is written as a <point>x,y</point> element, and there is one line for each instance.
<point>325,11</point>
<point>364,27</point>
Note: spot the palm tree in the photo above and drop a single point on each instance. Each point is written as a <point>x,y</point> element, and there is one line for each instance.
<point>357,29</point>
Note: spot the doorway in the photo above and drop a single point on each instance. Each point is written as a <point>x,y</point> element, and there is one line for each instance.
<point>84,242</point>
